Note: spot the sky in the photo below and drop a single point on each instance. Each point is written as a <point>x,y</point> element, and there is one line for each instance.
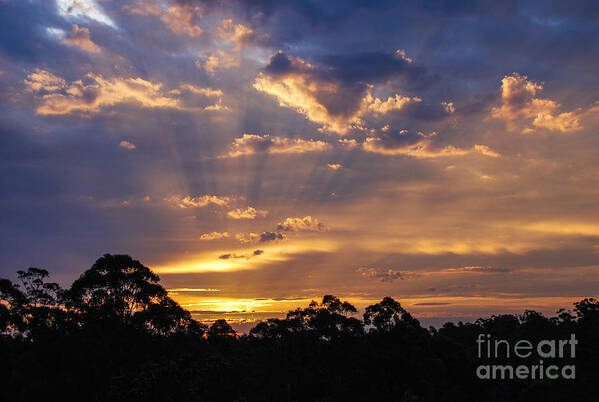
<point>260,154</point>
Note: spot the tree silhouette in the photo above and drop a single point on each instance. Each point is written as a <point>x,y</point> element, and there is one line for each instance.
<point>116,335</point>
<point>39,292</point>
<point>327,319</point>
<point>12,302</point>
<point>385,315</point>
<point>121,290</point>
<point>167,317</point>
<point>220,328</point>
<point>34,311</point>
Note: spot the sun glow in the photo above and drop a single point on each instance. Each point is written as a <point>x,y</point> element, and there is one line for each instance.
<point>245,258</point>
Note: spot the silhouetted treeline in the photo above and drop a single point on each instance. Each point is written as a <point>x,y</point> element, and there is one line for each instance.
<point>115,335</point>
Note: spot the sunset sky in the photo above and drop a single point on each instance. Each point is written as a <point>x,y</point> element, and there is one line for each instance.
<point>260,154</point>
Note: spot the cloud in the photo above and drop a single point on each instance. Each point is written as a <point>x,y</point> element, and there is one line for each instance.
<point>478,269</point>
<point>86,9</point>
<point>485,150</point>
<point>349,144</point>
<point>179,18</point>
<point>198,202</point>
<point>421,149</point>
<point>251,144</point>
<point>419,146</point>
<point>246,256</point>
<point>81,38</point>
<point>198,98</point>
<point>326,96</point>
<point>525,112</point>
<point>127,145</point>
<point>247,237</point>
<point>236,33</point>
<point>376,67</point>
<point>425,135</point>
<point>449,107</point>
<point>214,236</point>
<point>388,275</point>
<point>44,80</point>
<point>198,90</point>
<point>95,93</point>
<point>305,224</point>
<point>259,237</point>
<point>396,102</point>
<point>271,236</point>
<point>248,213</point>
<point>179,290</point>
<point>218,59</point>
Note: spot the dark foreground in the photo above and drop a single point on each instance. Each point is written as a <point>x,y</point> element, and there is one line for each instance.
<point>115,335</point>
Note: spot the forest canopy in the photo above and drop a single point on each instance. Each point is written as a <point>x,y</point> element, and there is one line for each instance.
<point>115,334</point>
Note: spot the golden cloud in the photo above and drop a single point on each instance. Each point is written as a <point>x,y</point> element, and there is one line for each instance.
<point>302,89</point>
<point>236,33</point>
<point>217,60</point>
<point>179,18</point>
<point>81,38</point>
<point>44,80</point>
<point>385,275</point>
<point>247,237</point>
<point>248,213</point>
<point>422,149</point>
<point>127,145</point>
<point>349,144</point>
<point>523,111</point>
<point>396,102</point>
<point>198,202</point>
<point>59,98</point>
<point>251,144</point>
<point>214,236</point>
<point>305,224</point>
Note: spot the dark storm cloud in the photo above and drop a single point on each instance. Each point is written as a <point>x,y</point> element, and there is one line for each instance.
<point>372,67</point>
<point>453,40</point>
<point>279,64</point>
<point>345,93</point>
<point>375,67</point>
<point>344,101</point>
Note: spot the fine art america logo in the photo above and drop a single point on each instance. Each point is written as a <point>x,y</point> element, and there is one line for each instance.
<point>537,361</point>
